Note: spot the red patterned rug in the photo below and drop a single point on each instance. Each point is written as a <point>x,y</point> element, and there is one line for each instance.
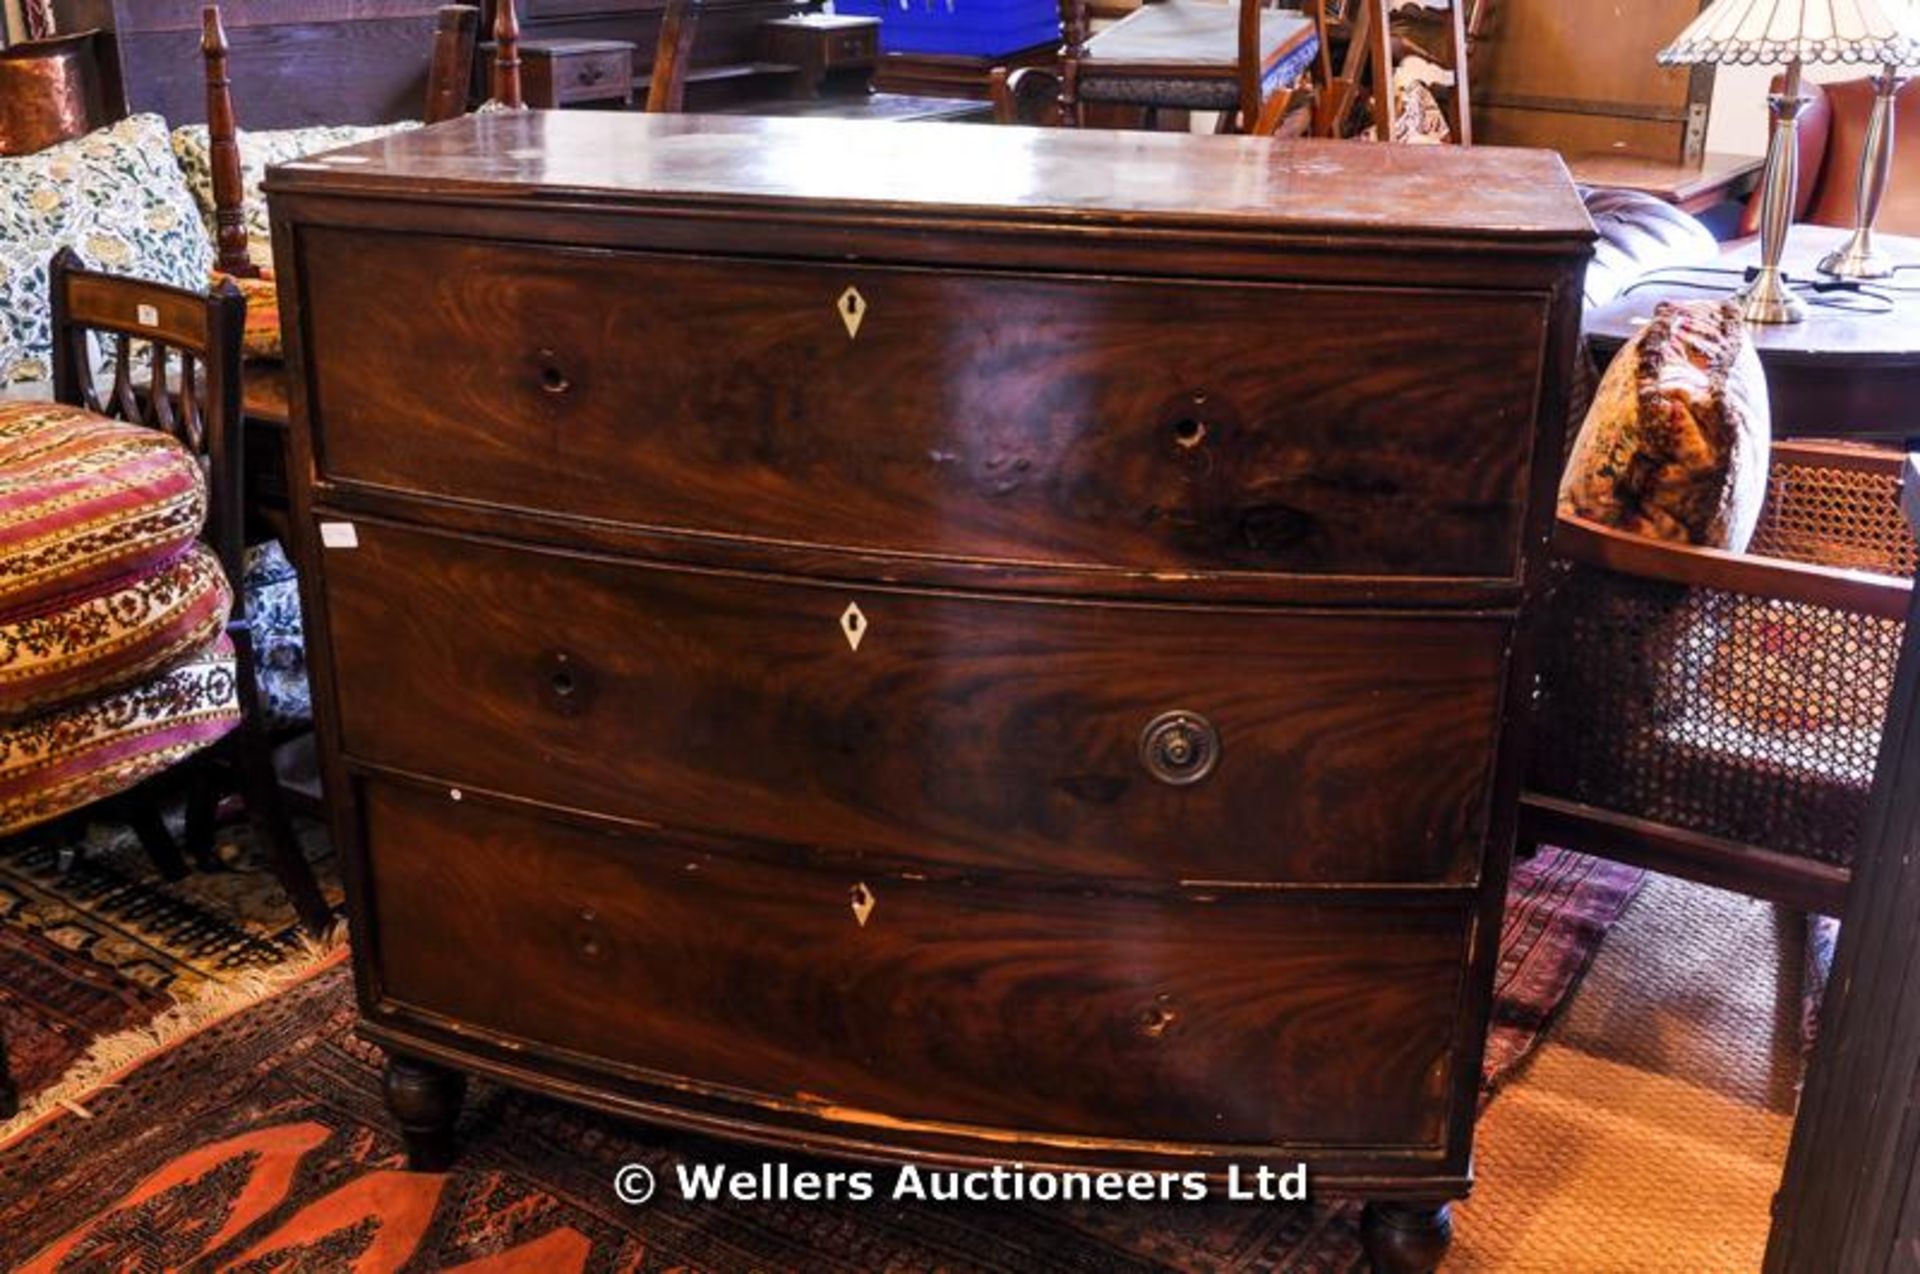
<point>101,959</point>
<point>260,1143</point>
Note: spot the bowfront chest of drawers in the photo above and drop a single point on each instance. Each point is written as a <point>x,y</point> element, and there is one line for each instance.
<point>980,645</point>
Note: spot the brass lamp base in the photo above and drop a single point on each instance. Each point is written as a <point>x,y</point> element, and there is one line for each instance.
<point>1858,259</point>
<point>1768,299</point>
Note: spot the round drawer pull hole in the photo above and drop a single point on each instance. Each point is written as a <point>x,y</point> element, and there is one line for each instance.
<point>565,686</point>
<point>552,379</point>
<point>1189,432</point>
<point>1179,748</point>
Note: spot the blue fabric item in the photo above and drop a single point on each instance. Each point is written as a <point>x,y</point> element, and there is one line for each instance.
<point>271,592</point>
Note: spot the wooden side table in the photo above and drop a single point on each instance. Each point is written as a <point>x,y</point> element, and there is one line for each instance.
<point>824,45</point>
<point>1689,187</point>
<point>1844,373</point>
<point>557,73</point>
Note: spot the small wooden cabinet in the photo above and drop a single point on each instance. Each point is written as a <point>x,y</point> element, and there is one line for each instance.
<point>965,644</point>
<point>557,73</point>
<point>824,46</point>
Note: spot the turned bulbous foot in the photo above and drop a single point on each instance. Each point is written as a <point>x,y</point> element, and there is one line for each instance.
<point>1403,1238</point>
<point>424,1100</point>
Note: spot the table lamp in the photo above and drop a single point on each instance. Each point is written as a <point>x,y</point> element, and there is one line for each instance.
<point>1857,258</point>
<point>1794,32</point>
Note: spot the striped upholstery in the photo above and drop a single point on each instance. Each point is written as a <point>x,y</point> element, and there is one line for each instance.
<point>114,658</point>
<point>111,636</point>
<point>69,757</point>
<point>85,501</point>
<point>261,338</point>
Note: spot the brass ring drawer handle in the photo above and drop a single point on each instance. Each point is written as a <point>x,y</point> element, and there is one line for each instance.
<point>1179,748</point>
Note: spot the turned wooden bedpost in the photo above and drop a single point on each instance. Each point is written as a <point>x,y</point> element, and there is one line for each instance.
<point>223,151</point>
<point>506,56</point>
<point>456,26</point>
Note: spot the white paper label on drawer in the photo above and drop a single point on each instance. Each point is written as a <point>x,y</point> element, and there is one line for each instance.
<point>339,535</point>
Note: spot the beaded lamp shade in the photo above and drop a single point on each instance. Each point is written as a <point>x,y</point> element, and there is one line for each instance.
<point>1770,32</point>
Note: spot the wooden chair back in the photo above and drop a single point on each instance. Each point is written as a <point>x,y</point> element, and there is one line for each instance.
<point>190,388</point>
<point>1256,110</point>
<point>1028,95</point>
<point>1367,69</point>
<point>667,86</point>
<point>456,35</point>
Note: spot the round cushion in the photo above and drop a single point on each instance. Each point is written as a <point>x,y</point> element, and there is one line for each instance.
<point>71,756</point>
<point>111,636</point>
<point>85,500</point>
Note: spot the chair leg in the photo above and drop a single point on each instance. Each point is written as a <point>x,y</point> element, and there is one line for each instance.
<point>144,816</point>
<point>274,828</point>
<point>203,801</point>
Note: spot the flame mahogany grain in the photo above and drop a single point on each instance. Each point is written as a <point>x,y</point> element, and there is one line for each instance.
<point>1251,442</point>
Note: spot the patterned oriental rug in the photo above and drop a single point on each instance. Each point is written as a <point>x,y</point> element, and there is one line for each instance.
<point>102,961</point>
<point>261,1143</point>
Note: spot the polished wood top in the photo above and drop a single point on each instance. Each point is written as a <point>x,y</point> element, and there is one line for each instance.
<point>1716,173</point>
<point>938,171</point>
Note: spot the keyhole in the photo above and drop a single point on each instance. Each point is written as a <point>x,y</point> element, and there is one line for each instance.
<point>552,379</point>
<point>563,684</point>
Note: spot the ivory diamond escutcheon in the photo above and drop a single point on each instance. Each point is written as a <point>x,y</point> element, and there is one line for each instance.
<point>852,308</point>
<point>853,622</point>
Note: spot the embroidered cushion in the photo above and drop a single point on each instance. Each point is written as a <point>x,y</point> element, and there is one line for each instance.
<point>1675,445</point>
<point>85,500</point>
<point>117,198</point>
<point>261,340</point>
<point>258,152</point>
<point>71,756</point>
<point>113,635</point>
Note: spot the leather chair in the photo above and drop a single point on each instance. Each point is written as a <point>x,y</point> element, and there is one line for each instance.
<point>1638,234</point>
<point>1833,132</point>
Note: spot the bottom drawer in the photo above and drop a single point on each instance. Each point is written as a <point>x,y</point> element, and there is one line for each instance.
<point>1236,1017</point>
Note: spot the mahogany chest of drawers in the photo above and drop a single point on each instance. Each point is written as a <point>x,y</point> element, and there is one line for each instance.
<point>986,645</point>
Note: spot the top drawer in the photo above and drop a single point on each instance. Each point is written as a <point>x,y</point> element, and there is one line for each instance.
<point>1062,421</point>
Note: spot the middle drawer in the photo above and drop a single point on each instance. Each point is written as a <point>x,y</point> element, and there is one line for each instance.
<point>999,733</point>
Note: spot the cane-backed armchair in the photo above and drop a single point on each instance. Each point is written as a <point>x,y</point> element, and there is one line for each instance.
<point>1718,715</point>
